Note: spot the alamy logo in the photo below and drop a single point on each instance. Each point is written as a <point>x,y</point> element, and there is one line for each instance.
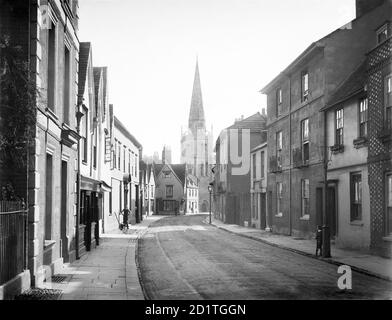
<point>345,280</point>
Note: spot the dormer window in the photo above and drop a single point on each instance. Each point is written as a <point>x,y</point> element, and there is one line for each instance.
<point>382,34</point>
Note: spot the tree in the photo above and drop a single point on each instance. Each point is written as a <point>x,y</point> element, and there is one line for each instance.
<point>18,96</point>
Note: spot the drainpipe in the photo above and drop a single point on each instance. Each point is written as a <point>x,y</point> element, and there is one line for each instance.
<point>326,247</point>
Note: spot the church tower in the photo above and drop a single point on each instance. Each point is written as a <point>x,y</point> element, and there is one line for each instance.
<point>197,144</point>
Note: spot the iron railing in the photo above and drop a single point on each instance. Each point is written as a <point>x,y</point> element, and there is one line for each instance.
<point>13,223</point>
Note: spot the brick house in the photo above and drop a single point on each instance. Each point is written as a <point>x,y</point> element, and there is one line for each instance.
<point>379,90</point>
<point>347,132</point>
<point>47,32</point>
<point>232,196</point>
<point>296,139</point>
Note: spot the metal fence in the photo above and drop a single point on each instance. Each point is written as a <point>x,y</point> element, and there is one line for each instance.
<point>13,223</point>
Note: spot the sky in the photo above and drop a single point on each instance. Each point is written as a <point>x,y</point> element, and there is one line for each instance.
<point>150,48</point>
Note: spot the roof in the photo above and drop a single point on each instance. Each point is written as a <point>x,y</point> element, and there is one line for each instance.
<point>97,81</point>
<point>84,56</point>
<point>349,87</point>
<point>308,52</point>
<point>260,146</point>
<point>126,133</point>
<point>178,169</point>
<point>256,121</point>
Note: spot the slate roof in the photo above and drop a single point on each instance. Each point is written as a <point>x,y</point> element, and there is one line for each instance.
<point>126,133</point>
<point>84,55</point>
<point>179,170</point>
<point>256,121</point>
<point>350,87</point>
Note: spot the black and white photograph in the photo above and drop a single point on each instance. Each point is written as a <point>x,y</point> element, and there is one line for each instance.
<point>195,155</point>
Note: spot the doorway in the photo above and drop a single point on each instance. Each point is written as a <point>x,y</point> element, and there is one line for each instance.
<point>64,209</point>
<point>331,210</point>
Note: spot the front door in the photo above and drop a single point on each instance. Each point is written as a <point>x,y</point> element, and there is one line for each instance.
<point>331,210</point>
<point>64,216</point>
<point>389,204</point>
<point>263,217</point>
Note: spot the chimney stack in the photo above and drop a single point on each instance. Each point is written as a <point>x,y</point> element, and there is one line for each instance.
<point>364,6</point>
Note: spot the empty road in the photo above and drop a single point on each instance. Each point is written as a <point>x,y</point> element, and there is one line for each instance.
<point>183,258</point>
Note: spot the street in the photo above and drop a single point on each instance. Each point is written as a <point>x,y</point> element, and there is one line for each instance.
<point>181,257</point>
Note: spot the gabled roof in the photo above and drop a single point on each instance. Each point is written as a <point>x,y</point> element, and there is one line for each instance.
<point>350,87</point>
<point>84,56</point>
<point>97,82</point>
<point>178,169</point>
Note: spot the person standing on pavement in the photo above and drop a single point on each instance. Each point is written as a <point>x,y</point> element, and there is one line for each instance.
<point>125,213</point>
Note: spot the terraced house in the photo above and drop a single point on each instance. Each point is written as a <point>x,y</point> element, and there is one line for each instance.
<point>47,33</point>
<point>297,144</point>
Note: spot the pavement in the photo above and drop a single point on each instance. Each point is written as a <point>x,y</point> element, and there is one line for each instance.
<point>108,272</point>
<point>359,261</point>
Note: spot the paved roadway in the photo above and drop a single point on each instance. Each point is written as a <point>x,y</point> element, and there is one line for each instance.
<point>183,258</point>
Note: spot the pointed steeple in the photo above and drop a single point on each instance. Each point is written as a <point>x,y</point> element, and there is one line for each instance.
<point>196,114</point>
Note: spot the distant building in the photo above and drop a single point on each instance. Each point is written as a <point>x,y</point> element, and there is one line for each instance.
<point>166,155</point>
<point>232,197</point>
<point>155,158</point>
<point>197,144</point>
<point>147,187</point>
<point>176,189</point>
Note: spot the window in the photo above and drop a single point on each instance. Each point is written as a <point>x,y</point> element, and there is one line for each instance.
<point>136,165</point>
<point>305,140</point>
<point>305,197</point>
<point>305,85</point>
<point>356,196</point>
<point>115,155</point>
<point>279,147</point>
<point>382,34</point>
<point>48,197</point>
<point>254,166</point>
<point>169,191</point>
<point>389,203</point>
<point>388,102</point>
<point>67,77</point>
<point>129,162</point>
<point>52,67</point>
<point>363,117</point>
<point>119,155</point>
<point>95,152</point>
<point>262,164</point>
<point>124,165</point>
<point>279,102</point>
<point>339,127</point>
<point>152,192</point>
<point>279,198</point>
<point>110,203</point>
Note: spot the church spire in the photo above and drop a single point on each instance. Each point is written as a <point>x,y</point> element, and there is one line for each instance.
<point>196,114</point>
